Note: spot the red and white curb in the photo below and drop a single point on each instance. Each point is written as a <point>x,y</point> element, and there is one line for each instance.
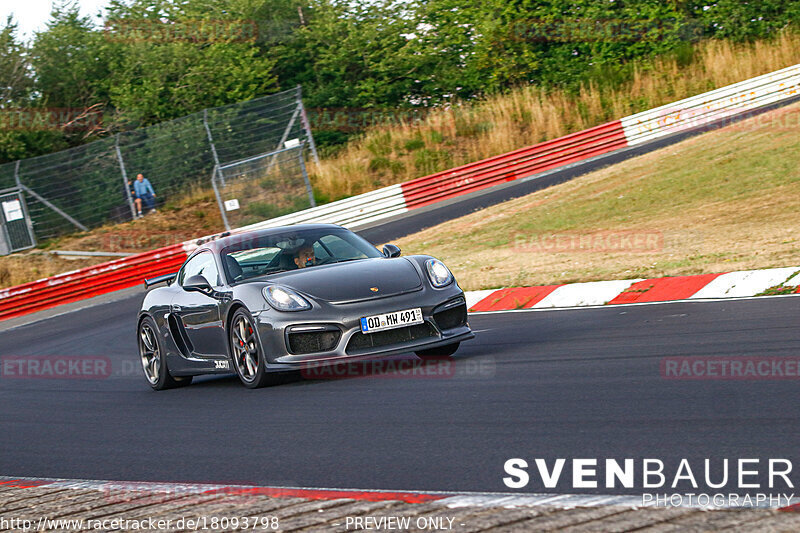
<point>741,284</point>
<point>449,499</point>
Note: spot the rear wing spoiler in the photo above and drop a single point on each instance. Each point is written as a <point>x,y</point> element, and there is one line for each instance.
<point>166,278</point>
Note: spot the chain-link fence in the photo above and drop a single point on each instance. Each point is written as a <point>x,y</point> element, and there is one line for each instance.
<point>262,187</point>
<point>88,186</point>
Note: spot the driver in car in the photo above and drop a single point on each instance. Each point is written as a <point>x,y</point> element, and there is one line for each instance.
<point>305,257</point>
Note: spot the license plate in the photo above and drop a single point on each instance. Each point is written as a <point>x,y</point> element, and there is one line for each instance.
<point>398,319</point>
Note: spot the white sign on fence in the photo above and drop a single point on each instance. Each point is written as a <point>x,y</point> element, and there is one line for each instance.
<point>13,210</point>
<point>231,205</point>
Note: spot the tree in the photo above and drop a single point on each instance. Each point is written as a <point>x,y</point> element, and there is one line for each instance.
<point>746,20</point>
<point>70,61</point>
<point>449,32</point>
<point>16,96</point>
<point>355,54</point>
<point>15,74</point>
<point>563,42</point>
<point>171,59</point>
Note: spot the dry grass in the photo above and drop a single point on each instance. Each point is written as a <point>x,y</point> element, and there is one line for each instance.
<point>726,200</point>
<point>24,267</point>
<point>469,132</point>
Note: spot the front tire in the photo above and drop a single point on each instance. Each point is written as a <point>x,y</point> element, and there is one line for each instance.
<point>248,357</point>
<point>153,358</point>
<point>440,351</point>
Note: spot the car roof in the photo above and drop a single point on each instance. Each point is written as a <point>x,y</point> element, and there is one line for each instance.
<point>223,240</point>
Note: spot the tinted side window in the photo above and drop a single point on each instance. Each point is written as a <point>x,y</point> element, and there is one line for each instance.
<point>201,265</point>
<point>340,248</point>
<point>320,252</point>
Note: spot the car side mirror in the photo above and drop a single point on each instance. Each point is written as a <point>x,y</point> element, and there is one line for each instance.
<point>390,250</point>
<point>198,284</point>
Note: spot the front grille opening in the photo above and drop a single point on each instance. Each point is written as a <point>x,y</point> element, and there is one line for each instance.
<point>451,318</point>
<point>364,341</point>
<point>313,341</point>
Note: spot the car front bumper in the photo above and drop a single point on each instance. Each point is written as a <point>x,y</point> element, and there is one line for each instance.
<point>274,328</point>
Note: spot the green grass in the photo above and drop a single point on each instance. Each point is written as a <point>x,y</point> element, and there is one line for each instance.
<point>778,290</point>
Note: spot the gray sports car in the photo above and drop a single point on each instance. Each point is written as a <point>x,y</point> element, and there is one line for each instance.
<point>291,297</point>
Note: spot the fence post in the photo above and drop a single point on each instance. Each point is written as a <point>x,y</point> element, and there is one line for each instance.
<point>288,128</point>
<point>281,144</point>
<point>306,125</point>
<point>219,198</point>
<point>124,177</point>
<point>213,148</point>
<point>28,218</point>
<point>305,177</point>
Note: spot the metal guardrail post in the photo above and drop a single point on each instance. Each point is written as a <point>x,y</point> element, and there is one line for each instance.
<point>213,147</point>
<point>124,177</point>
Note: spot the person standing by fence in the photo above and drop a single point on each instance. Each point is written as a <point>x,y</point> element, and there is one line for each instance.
<point>144,194</point>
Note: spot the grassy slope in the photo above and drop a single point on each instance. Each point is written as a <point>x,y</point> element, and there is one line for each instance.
<point>726,200</point>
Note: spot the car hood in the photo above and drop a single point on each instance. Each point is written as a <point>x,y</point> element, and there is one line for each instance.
<point>353,280</point>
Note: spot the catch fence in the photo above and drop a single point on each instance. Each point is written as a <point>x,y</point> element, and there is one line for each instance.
<point>91,185</point>
<point>263,187</point>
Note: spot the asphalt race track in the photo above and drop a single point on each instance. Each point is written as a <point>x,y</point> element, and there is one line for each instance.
<point>582,383</point>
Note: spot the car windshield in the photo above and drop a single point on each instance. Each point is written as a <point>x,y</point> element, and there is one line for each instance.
<point>290,250</point>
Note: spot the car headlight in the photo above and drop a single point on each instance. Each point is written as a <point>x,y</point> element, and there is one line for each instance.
<point>438,273</point>
<point>285,299</point>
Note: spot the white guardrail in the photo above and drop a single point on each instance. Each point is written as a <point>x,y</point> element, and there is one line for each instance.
<point>351,212</point>
<point>708,108</point>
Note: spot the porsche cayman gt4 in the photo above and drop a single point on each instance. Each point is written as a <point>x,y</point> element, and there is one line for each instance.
<point>286,298</point>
